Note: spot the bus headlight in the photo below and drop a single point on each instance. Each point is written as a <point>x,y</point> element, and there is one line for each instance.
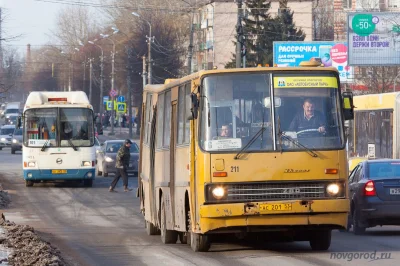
<point>86,163</point>
<point>218,192</point>
<point>108,159</point>
<point>333,189</point>
<point>31,164</point>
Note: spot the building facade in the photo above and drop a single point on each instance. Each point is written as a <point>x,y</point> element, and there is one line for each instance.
<point>215,30</point>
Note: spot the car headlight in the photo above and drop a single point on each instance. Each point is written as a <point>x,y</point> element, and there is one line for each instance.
<point>218,192</point>
<point>108,159</point>
<point>333,189</point>
<point>14,141</point>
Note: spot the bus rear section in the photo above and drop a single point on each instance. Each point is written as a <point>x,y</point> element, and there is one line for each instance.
<point>58,138</point>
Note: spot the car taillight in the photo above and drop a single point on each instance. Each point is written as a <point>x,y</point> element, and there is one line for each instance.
<point>369,189</point>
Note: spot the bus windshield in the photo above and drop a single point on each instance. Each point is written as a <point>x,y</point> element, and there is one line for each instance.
<point>236,112</point>
<point>59,127</point>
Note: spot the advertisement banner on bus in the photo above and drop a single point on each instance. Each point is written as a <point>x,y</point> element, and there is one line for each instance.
<point>305,82</point>
<point>374,39</point>
<point>331,54</point>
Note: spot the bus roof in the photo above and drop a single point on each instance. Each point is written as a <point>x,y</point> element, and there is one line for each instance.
<point>376,101</point>
<point>175,82</point>
<point>49,98</point>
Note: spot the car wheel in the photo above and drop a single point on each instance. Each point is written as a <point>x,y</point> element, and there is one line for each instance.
<point>357,229</point>
<point>12,151</point>
<point>1,148</point>
<point>105,174</point>
<point>99,173</point>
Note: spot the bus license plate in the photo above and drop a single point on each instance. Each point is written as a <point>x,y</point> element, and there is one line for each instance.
<point>58,171</point>
<point>395,191</point>
<point>275,207</point>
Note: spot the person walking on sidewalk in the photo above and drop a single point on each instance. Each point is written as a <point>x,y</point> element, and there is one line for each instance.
<point>122,163</point>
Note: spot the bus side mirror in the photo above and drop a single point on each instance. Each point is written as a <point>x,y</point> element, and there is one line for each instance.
<point>195,106</point>
<point>19,122</point>
<point>348,107</point>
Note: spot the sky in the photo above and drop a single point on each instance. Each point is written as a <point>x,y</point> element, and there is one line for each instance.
<point>29,18</point>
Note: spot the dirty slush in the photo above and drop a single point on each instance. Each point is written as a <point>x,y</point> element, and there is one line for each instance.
<point>27,248</point>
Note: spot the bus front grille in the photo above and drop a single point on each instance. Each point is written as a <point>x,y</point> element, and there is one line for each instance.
<point>275,191</point>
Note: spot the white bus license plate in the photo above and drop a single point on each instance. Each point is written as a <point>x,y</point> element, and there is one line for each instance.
<point>395,191</point>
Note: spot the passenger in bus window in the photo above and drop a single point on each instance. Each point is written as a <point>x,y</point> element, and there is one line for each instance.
<point>82,133</point>
<point>309,119</point>
<point>226,131</point>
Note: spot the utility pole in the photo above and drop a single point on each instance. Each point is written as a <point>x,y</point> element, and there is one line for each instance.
<point>101,83</point>
<point>84,78</point>
<point>190,50</point>
<point>239,35</point>
<point>90,81</point>
<point>128,82</point>
<point>150,40</point>
<point>144,71</point>
<point>112,89</point>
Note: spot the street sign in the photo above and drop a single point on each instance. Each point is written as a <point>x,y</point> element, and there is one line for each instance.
<point>105,99</point>
<point>121,99</point>
<point>121,107</point>
<point>109,105</point>
<point>113,93</point>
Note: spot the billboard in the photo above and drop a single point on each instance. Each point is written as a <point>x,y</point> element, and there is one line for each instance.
<point>331,53</point>
<point>374,39</point>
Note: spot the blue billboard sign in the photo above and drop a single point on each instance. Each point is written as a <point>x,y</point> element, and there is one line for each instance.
<point>332,54</point>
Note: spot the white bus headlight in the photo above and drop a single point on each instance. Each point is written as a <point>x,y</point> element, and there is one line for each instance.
<point>333,189</point>
<point>86,163</point>
<point>218,192</point>
<point>108,159</point>
<point>31,164</point>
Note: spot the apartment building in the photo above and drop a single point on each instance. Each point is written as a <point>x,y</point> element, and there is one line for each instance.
<point>215,30</point>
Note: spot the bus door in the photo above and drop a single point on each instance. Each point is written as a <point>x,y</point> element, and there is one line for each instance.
<point>172,151</point>
<point>152,160</point>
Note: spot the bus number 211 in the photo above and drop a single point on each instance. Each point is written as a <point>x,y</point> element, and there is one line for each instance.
<point>234,168</point>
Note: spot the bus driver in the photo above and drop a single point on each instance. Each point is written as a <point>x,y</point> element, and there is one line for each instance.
<point>308,119</point>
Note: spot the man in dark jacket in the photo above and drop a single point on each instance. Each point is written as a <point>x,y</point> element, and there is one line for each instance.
<point>122,164</point>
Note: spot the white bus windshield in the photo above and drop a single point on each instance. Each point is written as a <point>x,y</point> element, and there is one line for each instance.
<point>58,127</point>
<point>236,110</point>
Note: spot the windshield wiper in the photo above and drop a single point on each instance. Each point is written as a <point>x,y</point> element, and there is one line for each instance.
<point>72,145</point>
<point>298,144</point>
<point>44,145</point>
<point>250,142</point>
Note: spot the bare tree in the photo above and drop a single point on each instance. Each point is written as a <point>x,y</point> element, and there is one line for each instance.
<point>323,17</point>
<point>378,79</point>
<point>12,72</point>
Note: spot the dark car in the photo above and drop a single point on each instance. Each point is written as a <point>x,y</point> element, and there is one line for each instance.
<point>375,194</point>
<point>107,155</point>
<point>16,144</point>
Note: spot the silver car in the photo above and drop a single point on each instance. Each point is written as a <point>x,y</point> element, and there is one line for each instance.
<point>16,143</point>
<point>6,133</point>
<point>107,156</point>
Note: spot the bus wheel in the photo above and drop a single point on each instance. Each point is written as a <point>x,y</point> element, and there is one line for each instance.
<point>167,236</point>
<point>28,183</point>
<point>321,240</point>
<point>88,183</point>
<point>183,237</point>
<point>151,230</point>
<point>199,242</point>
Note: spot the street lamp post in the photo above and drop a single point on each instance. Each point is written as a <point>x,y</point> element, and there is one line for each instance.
<point>101,76</point>
<point>149,39</point>
<point>112,82</point>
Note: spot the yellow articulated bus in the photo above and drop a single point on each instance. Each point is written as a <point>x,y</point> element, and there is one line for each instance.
<point>245,151</point>
<point>373,133</point>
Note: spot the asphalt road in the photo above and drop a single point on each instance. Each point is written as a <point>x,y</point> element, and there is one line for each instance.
<point>94,227</point>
